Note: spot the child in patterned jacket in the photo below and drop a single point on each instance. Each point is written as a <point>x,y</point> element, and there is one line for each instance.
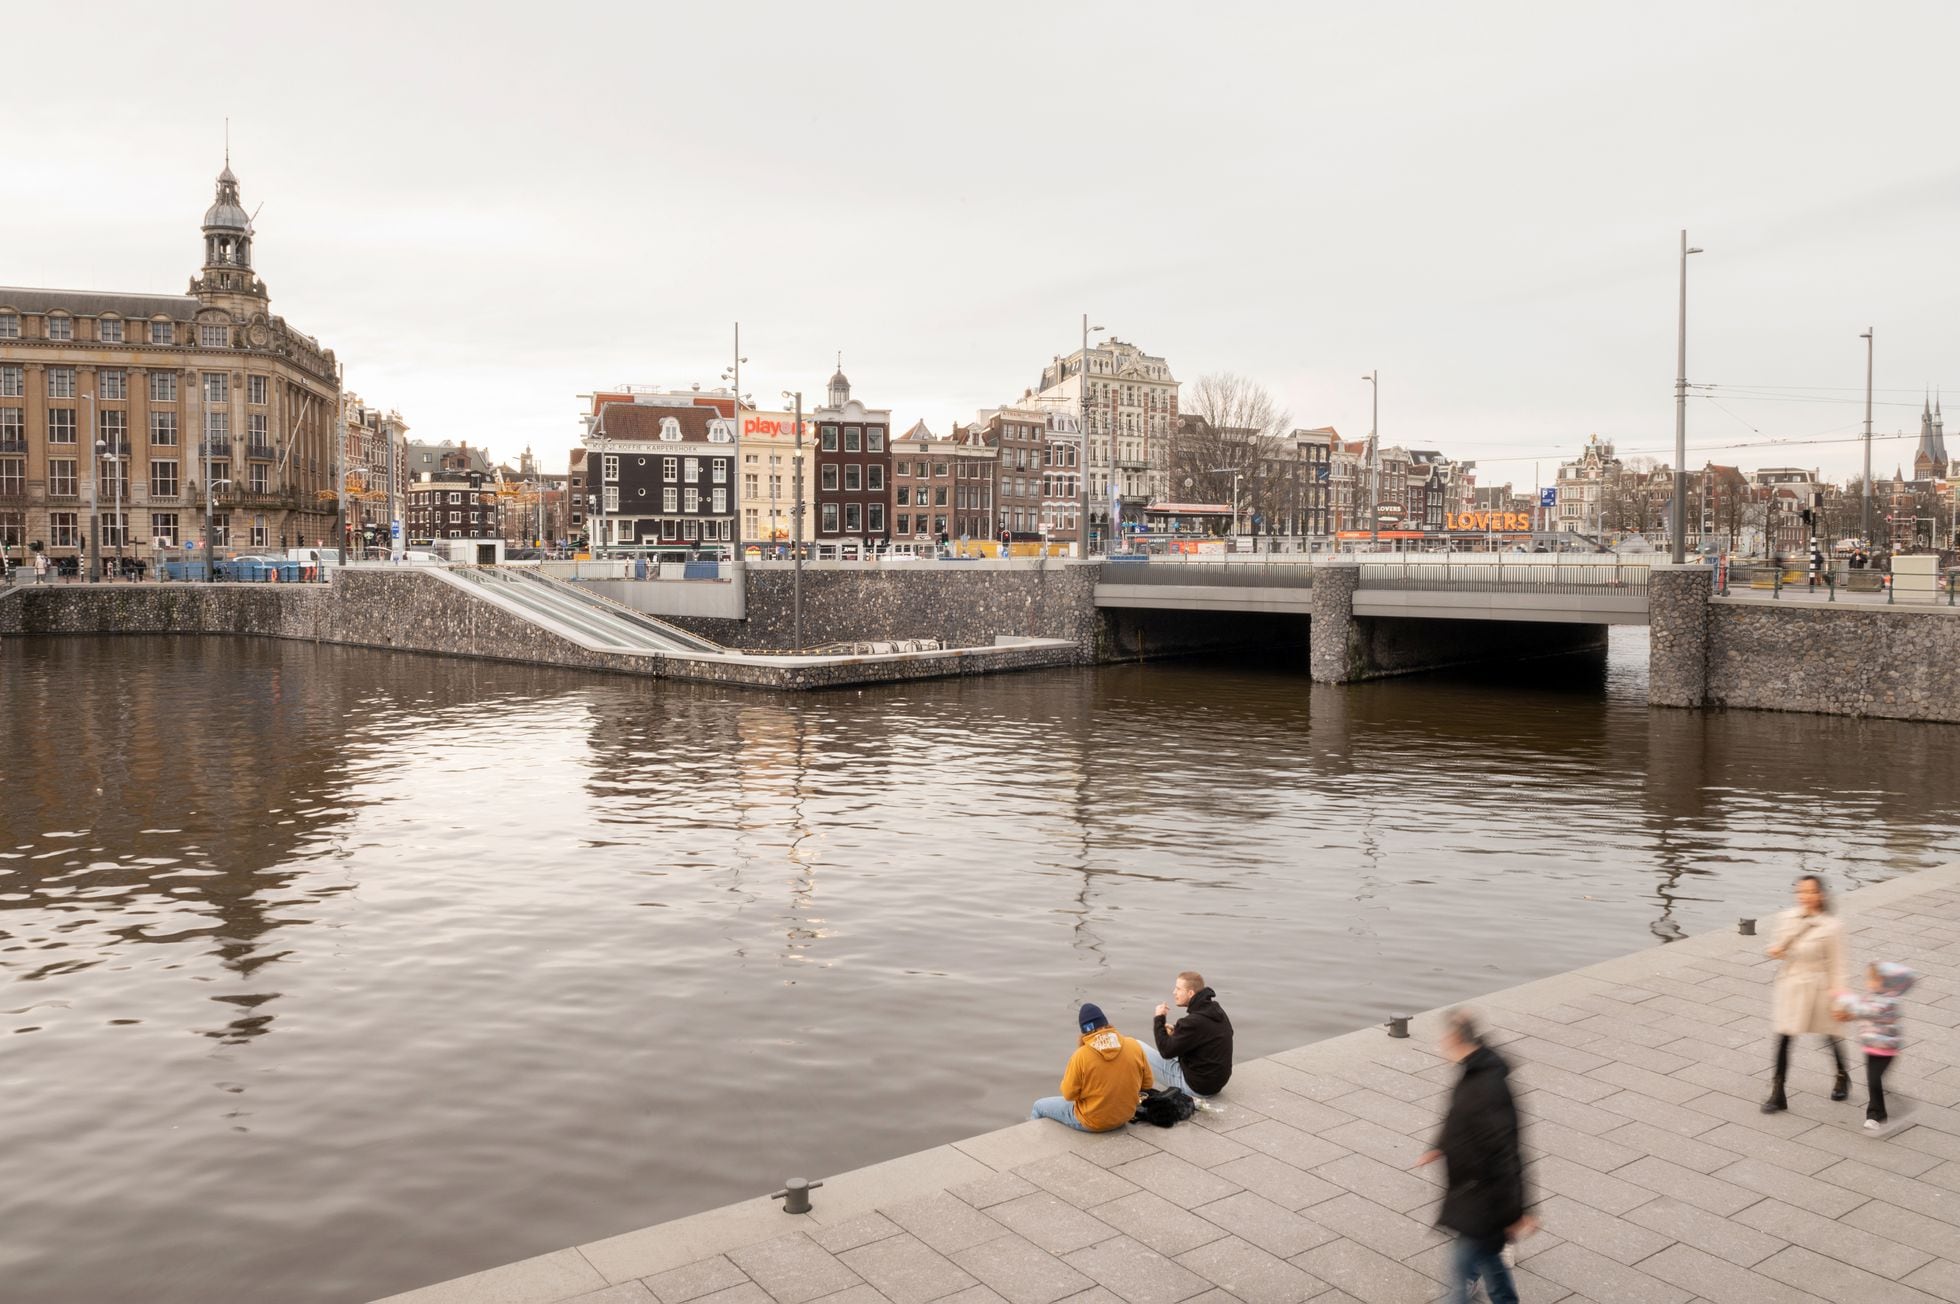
<point>1880,1035</point>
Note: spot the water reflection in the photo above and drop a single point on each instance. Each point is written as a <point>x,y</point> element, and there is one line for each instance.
<point>301,943</point>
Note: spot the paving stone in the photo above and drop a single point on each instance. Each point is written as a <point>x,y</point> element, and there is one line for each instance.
<point>1541,1106</point>
<point>1051,1223</point>
<point>1152,1220</point>
<point>1021,1272</point>
<point>793,1269</point>
<point>853,1232</point>
<point>1539,1051</point>
<point>1906,1227</point>
<point>1581,1087</point>
<point>1618,1239</point>
<point>1721,1237</point>
<point>1719,1281</point>
<point>947,1224</point>
<point>1658,1113</point>
<point>1386,1111</point>
<point>1136,1273</point>
<point>1396,1149</point>
<point>1796,1266</point>
<point>1688,1151</point>
<point>631,1292</point>
<point>1177,1180</point>
<point>1250,1274</point>
<point>1704,1192</point>
<point>1365,1275</point>
<point>1840,1240</point>
<point>1289,1144</point>
<point>1271,1227</point>
<point>1281,1105</point>
<point>1374,1225</point>
<point>1660,1086</point>
<point>1602,1192</point>
<point>996,1188</point>
<point>1279,1182</point>
<point>1792,1155</point>
<point>1749,1113</point>
<point>905,1270</point>
<point>1940,1278</point>
<point>863,1294</point>
<point>1388,1081</point>
<point>1602,1154</point>
<point>746,1293</point>
<point>1197,1146</point>
<point>1076,1180</point>
<point>1574,1268</point>
<point>1820,1197</point>
<point>691,1282</point>
<point>1928,1141</point>
<point>1751,1085</point>
<point>1394,1187</point>
<point>1109,1149</point>
<point>1895,1152</point>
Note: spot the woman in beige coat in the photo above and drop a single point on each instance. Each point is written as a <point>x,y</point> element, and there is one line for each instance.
<point>1809,941</point>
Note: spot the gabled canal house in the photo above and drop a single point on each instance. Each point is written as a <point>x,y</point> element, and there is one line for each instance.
<point>666,475</point>
<point>159,396</point>
<point>854,463</point>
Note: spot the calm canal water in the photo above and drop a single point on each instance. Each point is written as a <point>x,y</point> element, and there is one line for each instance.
<point>328,973</point>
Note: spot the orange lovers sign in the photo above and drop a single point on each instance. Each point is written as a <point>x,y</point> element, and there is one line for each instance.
<point>1503,522</point>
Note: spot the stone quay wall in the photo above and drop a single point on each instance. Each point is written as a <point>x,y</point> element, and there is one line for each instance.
<point>411,611</point>
<point>1677,634</point>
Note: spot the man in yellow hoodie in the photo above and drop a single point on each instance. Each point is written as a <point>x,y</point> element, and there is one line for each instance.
<point>1103,1080</point>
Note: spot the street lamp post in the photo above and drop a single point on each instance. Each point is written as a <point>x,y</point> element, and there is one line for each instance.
<point>1374,460</point>
<point>796,527</point>
<point>1679,524</point>
<point>1236,475</point>
<point>94,499</point>
<point>117,458</point>
<point>1865,526</point>
<point>734,374</point>
<point>1082,381</point>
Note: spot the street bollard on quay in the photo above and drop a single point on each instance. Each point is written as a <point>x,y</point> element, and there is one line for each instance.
<point>1747,927</point>
<point>795,1195</point>
<point>1398,1025</point>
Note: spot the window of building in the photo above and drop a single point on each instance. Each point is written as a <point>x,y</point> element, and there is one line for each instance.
<point>827,440</point>
<point>112,426</point>
<point>455,518</point>
<point>62,529</point>
<point>874,478</point>
<point>691,470</point>
<point>853,439</point>
<point>853,518</point>
<point>163,527</point>
<point>256,388</point>
<point>255,427</point>
<point>13,425</point>
<point>9,326</point>
<point>670,499</point>
<point>875,518</point>
<point>13,382</point>
<point>217,387</point>
<point>61,425</point>
<point>829,518</point>
<point>691,500</point>
<point>612,497</point>
<point>670,429</point>
<point>904,523</point>
<point>61,327</point>
<point>61,382</point>
<point>163,387</point>
<point>828,478</point>
<point>720,502</point>
<point>217,428</point>
<point>260,536</point>
<point>162,333</point>
<point>719,467</point>
<point>609,469</point>
<point>13,476</point>
<point>905,495</point>
<point>874,439</point>
<point>109,330</point>
<point>257,477</point>
<point>61,478</point>
<point>112,477</point>
<point>163,429</point>
<point>163,479</point>
<point>853,478</point>
<point>939,496</point>
<point>213,335</point>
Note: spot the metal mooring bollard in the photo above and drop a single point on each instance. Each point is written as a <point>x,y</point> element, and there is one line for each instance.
<point>1747,927</point>
<point>1398,1025</point>
<point>795,1195</point>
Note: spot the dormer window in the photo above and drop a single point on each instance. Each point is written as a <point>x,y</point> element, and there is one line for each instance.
<point>721,431</point>
<point>670,429</point>
<point>61,327</point>
<point>9,325</point>
<point>213,335</point>
<point>160,333</point>
<point>109,330</point>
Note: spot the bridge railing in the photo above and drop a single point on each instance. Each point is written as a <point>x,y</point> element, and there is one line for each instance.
<point>1294,574</point>
<point>1621,578</point>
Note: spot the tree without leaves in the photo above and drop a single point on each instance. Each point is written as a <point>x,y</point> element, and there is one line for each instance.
<point>1228,423</point>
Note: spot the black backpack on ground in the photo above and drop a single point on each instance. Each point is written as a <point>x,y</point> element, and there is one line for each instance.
<point>1164,1106</point>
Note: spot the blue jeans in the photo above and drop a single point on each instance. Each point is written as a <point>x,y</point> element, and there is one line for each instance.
<point>1059,1109</point>
<point>1469,1260</point>
<point>1168,1073</point>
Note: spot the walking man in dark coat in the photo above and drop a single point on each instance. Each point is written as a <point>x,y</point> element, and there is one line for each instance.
<point>1484,1203</point>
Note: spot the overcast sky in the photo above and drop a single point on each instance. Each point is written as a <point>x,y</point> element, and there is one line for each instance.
<point>485,209</point>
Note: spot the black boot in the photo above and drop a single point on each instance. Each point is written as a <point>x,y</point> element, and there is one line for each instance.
<point>1841,1089</point>
<point>1776,1104</point>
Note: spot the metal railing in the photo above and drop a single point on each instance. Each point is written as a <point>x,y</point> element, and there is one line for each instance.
<point>1252,573</point>
<point>1617,578</point>
<point>1840,583</point>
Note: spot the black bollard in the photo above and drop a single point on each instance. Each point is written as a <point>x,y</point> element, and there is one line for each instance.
<point>1747,927</point>
<point>1398,1025</point>
<point>795,1195</point>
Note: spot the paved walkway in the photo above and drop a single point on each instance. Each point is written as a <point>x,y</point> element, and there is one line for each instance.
<point>1657,1179</point>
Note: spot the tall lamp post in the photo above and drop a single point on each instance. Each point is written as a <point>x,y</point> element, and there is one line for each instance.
<point>1374,460</point>
<point>104,456</point>
<point>796,526</point>
<point>1866,527</point>
<point>734,375</point>
<point>1082,380</point>
<point>94,561</point>
<point>1678,525</point>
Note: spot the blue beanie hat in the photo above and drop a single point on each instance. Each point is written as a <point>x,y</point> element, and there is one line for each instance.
<point>1090,1017</point>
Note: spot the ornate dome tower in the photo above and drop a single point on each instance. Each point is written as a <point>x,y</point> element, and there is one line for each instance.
<point>840,388</point>
<point>227,279</point>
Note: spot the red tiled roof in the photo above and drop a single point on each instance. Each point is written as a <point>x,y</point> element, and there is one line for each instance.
<point>642,420</point>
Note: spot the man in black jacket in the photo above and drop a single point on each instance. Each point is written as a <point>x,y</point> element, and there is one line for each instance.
<point>1197,1054</point>
<point>1485,1200</point>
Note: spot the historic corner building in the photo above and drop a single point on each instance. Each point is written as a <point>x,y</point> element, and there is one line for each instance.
<point>152,401</point>
<point>666,474</point>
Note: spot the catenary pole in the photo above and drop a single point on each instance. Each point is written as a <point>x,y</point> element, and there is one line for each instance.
<point>1865,527</point>
<point>1679,525</point>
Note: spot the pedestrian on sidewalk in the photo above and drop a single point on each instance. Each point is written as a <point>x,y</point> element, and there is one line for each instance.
<point>1880,1033</point>
<point>1809,940</point>
<point>1104,1077</point>
<point>1484,1200</point>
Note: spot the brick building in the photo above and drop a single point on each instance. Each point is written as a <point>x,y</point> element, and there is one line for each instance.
<point>853,465</point>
